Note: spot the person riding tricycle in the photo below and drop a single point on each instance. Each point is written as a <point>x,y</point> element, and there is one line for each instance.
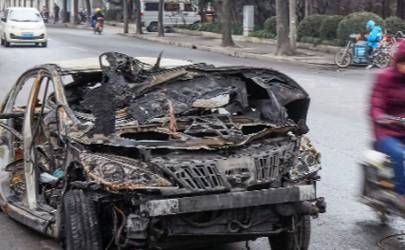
<point>360,50</point>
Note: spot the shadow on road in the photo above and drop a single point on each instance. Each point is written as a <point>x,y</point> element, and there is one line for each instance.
<point>388,238</point>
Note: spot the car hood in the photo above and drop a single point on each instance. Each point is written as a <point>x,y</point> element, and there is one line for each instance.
<point>188,107</point>
<point>25,25</point>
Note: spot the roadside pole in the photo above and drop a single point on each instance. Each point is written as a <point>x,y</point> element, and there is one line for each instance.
<point>293,24</point>
<point>125,15</point>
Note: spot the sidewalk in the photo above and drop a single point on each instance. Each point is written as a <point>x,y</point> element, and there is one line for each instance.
<point>245,47</point>
<point>252,50</point>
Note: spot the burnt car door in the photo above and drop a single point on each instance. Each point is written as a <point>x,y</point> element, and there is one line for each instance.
<point>26,141</point>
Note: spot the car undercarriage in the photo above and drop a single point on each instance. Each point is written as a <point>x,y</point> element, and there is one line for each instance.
<point>132,155</point>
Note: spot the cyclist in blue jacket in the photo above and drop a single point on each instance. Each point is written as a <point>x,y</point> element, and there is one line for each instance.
<point>375,35</point>
<point>373,40</point>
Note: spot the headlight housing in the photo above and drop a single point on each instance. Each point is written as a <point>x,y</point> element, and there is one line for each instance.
<point>116,174</point>
<point>308,162</point>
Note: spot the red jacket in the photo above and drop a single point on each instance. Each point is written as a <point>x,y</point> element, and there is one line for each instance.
<point>388,97</point>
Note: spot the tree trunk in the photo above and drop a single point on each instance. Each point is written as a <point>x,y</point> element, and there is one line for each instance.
<point>161,28</point>
<point>283,41</point>
<point>138,16</point>
<point>308,7</point>
<point>64,12</point>
<point>386,12</point>
<point>88,10</point>
<point>25,3</point>
<point>227,23</point>
<point>401,8</point>
<point>125,15</point>
<point>293,24</point>
<point>76,12</point>
<point>337,8</point>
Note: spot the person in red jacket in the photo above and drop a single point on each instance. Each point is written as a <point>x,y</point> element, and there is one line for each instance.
<point>387,104</point>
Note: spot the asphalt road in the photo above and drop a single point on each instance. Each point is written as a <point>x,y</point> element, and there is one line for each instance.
<point>338,122</point>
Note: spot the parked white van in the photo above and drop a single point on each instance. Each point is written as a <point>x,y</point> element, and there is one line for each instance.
<point>175,12</point>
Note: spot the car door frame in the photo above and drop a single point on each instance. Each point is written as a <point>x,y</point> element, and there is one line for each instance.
<point>31,178</point>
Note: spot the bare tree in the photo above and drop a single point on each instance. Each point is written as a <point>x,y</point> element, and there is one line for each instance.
<point>401,8</point>
<point>293,24</point>
<point>283,41</point>
<point>227,23</point>
<point>308,7</point>
<point>88,10</point>
<point>138,17</point>
<point>386,12</point>
<point>76,12</point>
<point>125,15</point>
<point>161,28</point>
<point>65,17</point>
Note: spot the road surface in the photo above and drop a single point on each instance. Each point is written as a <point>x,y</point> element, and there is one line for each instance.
<point>338,122</point>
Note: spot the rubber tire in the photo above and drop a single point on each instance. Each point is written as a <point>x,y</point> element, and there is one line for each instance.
<point>6,44</point>
<point>385,61</point>
<point>44,45</point>
<point>152,27</point>
<point>285,240</point>
<point>81,228</point>
<point>348,61</point>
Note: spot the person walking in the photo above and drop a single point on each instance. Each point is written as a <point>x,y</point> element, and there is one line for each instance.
<point>56,10</point>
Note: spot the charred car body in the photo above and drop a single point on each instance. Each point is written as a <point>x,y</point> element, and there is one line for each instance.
<point>136,155</point>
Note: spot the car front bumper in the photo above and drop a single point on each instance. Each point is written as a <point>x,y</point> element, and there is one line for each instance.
<point>233,200</point>
<point>17,37</point>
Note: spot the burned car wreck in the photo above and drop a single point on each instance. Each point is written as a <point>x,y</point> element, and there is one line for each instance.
<point>132,155</point>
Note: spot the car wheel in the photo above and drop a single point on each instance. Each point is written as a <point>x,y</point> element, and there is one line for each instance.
<point>6,44</point>
<point>45,44</point>
<point>81,228</point>
<point>297,240</point>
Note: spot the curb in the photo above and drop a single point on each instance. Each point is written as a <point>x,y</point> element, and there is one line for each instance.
<point>320,48</point>
<point>227,51</point>
<point>70,26</point>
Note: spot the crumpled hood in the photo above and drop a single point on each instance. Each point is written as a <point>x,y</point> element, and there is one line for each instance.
<point>191,107</point>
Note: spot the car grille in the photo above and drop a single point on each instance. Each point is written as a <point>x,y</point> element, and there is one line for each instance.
<point>263,163</point>
<point>198,176</point>
<point>267,167</point>
<point>13,36</point>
